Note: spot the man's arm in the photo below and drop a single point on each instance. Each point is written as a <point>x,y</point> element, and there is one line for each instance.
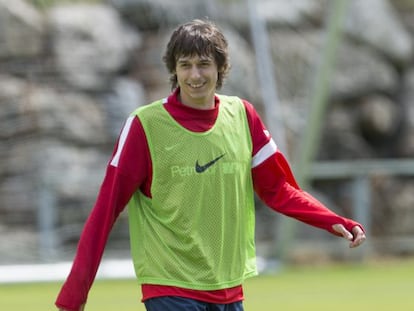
<point>126,172</point>
<point>114,194</point>
<point>275,185</point>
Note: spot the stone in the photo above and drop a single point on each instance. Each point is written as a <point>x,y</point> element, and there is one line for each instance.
<point>22,30</point>
<point>91,44</point>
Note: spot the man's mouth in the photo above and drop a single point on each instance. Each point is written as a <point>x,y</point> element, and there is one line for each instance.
<point>196,86</point>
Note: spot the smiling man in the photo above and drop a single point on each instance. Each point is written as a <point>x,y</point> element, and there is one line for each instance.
<point>197,77</point>
<point>187,167</point>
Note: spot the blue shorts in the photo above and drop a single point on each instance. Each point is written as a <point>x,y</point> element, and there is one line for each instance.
<point>173,303</point>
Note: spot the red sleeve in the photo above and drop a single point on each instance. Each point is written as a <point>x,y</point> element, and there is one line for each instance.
<point>126,172</point>
<point>259,134</point>
<point>276,186</point>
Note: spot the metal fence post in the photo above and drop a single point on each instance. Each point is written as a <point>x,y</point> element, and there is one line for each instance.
<point>46,220</point>
<point>362,204</point>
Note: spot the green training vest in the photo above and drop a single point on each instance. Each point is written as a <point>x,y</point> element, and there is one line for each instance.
<point>197,230</point>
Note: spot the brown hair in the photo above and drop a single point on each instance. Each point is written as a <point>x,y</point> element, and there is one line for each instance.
<point>198,37</point>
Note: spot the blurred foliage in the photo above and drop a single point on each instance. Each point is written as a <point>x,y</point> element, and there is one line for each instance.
<point>42,4</point>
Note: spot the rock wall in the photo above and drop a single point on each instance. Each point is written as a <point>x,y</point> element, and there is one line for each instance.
<point>70,75</point>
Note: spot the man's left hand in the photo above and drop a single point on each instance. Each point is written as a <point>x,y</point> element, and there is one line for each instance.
<point>357,236</point>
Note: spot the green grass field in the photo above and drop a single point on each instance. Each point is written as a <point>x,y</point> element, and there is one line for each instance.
<point>382,286</point>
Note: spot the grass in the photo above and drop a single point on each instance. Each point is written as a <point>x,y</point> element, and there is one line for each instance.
<point>380,287</point>
<point>375,286</point>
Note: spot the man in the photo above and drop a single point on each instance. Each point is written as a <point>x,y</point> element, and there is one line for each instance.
<point>187,166</point>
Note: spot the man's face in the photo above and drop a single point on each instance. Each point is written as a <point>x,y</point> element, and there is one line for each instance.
<point>197,78</point>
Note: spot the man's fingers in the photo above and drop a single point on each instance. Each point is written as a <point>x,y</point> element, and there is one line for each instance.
<point>359,236</point>
<point>342,231</point>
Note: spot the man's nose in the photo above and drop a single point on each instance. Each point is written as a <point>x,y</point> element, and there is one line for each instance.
<point>195,72</point>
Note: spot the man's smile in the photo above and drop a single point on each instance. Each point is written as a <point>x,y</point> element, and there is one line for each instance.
<point>196,86</point>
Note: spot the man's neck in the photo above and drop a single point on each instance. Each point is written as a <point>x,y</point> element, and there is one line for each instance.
<point>202,104</point>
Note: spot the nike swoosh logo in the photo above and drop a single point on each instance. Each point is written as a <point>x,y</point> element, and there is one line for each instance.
<point>201,168</point>
<point>169,148</point>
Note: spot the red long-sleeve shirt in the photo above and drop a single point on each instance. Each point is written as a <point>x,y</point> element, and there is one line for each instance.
<point>130,169</point>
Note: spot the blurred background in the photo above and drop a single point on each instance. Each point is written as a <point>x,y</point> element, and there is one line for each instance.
<point>333,81</point>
